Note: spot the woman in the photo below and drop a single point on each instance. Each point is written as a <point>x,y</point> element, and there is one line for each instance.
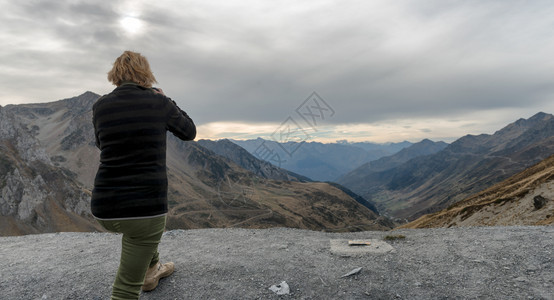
<point>130,188</point>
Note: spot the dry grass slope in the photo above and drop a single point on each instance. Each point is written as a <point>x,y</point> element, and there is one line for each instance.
<point>510,202</point>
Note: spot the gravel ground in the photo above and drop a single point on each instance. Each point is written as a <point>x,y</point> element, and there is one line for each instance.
<point>456,263</point>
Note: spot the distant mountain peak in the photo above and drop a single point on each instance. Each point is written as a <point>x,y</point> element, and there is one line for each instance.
<point>88,93</point>
<point>538,117</point>
<point>521,125</point>
<point>427,142</point>
<point>541,116</point>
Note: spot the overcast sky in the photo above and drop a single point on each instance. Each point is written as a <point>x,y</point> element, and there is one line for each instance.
<point>383,70</point>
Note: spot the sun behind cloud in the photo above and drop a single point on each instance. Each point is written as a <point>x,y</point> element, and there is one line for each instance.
<point>132,25</point>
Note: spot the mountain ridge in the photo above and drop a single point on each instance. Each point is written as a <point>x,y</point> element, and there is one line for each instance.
<point>424,147</point>
<point>243,158</point>
<point>468,165</point>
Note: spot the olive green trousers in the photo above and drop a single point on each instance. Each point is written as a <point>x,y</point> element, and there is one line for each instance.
<point>139,251</point>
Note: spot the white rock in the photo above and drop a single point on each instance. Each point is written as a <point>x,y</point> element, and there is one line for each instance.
<point>281,289</point>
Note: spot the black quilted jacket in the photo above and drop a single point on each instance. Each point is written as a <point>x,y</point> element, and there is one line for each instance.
<point>130,125</point>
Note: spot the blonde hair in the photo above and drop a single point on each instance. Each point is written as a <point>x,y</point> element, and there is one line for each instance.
<point>131,66</point>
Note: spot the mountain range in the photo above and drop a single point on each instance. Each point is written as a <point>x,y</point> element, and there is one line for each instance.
<point>429,183</point>
<point>319,161</point>
<point>49,160</point>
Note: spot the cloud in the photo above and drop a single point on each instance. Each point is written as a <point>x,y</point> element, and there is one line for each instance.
<point>254,62</point>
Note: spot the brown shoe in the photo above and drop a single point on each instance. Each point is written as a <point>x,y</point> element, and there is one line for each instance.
<point>155,273</point>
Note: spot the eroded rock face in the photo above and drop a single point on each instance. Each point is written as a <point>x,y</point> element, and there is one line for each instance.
<point>21,195</point>
<point>33,194</point>
<point>6,123</point>
<point>21,138</point>
<point>31,187</point>
<point>11,194</point>
<point>77,200</point>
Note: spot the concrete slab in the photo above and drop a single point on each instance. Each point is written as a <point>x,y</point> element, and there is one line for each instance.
<point>340,247</point>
